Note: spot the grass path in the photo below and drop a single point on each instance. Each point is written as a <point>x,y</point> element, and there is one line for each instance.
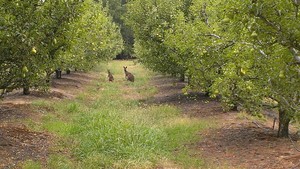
<point>111,125</point>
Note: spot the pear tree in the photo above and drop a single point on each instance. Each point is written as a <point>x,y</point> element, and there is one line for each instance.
<point>272,33</point>
<point>94,38</point>
<point>37,37</point>
<point>150,21</point>
<point>248,52</point>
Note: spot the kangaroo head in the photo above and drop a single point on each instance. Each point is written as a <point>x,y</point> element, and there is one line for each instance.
<point>125,68</point>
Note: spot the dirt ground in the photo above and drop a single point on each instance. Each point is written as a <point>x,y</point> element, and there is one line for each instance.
<point>17,142</point>
<point>236,142</point>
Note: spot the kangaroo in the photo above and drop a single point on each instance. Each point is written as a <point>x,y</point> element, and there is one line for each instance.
<point>110,76</point>
<point>129,76</point>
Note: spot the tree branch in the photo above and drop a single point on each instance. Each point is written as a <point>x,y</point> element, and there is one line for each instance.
<point>204,14</point>
<point>213,35</point>
<point>291,46</point>
<point>295,53</point>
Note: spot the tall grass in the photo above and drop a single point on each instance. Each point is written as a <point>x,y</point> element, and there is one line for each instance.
<point>108,126</point>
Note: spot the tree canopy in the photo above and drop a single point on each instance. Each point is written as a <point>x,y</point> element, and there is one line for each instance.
<point>117,9</point>
<point>37,37</point>
<point>247,52</point>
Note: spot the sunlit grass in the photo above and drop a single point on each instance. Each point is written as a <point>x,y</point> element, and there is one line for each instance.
<point>31,165</point>
<point>109,125</point>
<point>60,162</point>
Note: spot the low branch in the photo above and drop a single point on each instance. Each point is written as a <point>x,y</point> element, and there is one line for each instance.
<point>213,35</point>
<point>295,53</point>
<point>290,105</point>
<point>269,106</point>
<point>255,47</point>
<point>278,28</point>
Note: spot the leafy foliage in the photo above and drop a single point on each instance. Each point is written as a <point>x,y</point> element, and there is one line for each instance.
<point>117,9</point>
<point>94,36</point>
<point>247,52</point>
<point>150,21</point>
<point>38,37</point>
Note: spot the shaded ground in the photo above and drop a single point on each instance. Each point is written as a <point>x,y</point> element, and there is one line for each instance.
<point>17,142</point>
<point>237,142</point>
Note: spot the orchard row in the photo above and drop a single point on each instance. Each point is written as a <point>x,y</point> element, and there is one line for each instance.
<point>39,37</point>
<point>247,51</point>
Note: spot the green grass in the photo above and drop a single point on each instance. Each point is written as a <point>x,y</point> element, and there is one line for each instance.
<point>32,165</point>
<point>60,161</point>
<point>108,126</point>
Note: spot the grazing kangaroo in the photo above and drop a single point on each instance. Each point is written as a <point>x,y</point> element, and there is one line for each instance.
<point>129,76</point>
<point>110,76</point>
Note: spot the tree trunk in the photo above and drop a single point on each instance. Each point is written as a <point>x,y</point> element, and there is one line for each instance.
<point>26,90</point>
<point>25,86</point>
<point>182,77</point>
<point>284,121</point>
<point>58,73</point>
<point>68,71</point>
<point>234,107</point>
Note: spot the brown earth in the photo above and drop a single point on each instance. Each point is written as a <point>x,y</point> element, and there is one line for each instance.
<point>17,142</point>
<point>236,142</point>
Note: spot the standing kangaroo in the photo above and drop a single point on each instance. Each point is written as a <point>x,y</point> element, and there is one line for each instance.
<point>110,76</point>
<point>129,76</point>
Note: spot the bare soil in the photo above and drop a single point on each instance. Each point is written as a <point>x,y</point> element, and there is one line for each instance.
<point>17,142</point>
<point>235,143</point>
